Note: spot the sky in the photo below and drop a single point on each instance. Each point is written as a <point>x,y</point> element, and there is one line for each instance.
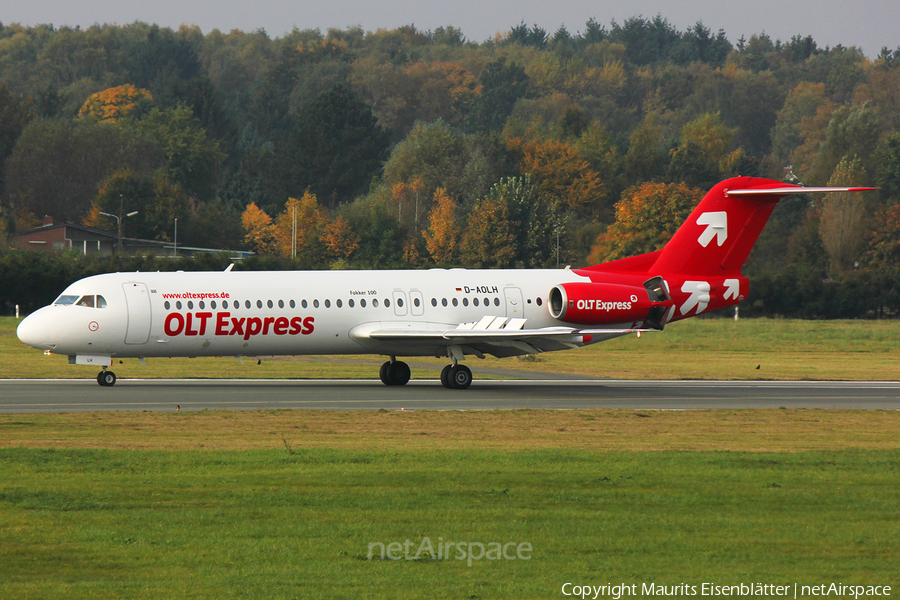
<point>866,24</point>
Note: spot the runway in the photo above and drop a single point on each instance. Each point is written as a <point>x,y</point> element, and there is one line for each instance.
<point>29,396</point>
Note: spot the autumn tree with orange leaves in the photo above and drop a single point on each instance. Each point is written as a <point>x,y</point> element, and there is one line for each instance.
<point>299,226</point>
<point>442,235</point>
<point>339,239</point>
<point>562,176</point>
<point>113,104</point>
<point>260,232</point>
<point>407,197</point>
<point>647,216</point>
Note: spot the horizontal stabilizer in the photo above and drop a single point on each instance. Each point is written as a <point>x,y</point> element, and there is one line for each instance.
<point>787,191</point>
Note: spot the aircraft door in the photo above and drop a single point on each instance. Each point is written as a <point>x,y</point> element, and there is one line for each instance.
<point>515,305</point>
<point>137,302</point>
<point>417,307</point>
<point>400,303</point>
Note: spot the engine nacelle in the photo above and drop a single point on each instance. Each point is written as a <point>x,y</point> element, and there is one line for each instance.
<point>604,304</point>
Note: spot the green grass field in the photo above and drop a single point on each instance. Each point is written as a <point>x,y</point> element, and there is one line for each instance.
<point>695,349</point>
<point>286,504</point>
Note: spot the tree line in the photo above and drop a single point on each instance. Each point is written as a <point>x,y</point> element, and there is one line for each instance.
<point>410,148</point>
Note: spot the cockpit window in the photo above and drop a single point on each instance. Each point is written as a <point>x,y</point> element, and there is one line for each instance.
<point>89,300</point>
<point>66,300</point>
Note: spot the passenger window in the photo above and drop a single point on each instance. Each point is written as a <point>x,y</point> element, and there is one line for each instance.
<point>475,301</point>
<point>86,301</point>
<point>362,303</point>
<point>212,304</point>
<point>327,303</point>
<point>443,302</point>
<point>339,303</point>
<point>201,304</point>
<point>178,305</point>
<point>350,303</point>
<point>281,304</point>
<point>387,303</point>
<point>269,304</point>
<point>167,305</point>
<point>465,301</point>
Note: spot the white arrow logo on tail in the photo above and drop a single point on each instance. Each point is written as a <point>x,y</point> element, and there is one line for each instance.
<point>716,227</point>
<point>699,296</point>
<point>732,289</point>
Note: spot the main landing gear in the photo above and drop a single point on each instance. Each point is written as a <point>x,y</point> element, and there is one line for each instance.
<point>394,372</point>
<point>453,377</point>
<point>106,378</point>
<point>456,377</point>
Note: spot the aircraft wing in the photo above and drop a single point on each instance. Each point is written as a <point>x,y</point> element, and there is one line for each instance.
<point>499,336</point>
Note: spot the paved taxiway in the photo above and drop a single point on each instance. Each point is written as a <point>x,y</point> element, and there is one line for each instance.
<point>23,396</point>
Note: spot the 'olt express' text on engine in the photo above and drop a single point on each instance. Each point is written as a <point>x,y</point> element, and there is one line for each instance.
<point>601,305</point>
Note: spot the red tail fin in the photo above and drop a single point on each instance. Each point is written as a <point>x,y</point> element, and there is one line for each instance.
<point>701,264</point>
<point>718,236</point>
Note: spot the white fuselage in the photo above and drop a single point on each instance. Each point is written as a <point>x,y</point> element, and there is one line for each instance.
<point>189,314</point>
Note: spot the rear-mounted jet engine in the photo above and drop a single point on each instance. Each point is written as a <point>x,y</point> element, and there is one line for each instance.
<point>588,303</point>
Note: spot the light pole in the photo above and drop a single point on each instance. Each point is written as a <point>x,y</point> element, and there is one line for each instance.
<point>557,245</point>
<point>119,218</point>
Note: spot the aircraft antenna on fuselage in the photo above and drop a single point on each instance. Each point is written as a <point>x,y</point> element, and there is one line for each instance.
<point>229,268</point>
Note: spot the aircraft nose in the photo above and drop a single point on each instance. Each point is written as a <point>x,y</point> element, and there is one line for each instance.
<point>34,331</point>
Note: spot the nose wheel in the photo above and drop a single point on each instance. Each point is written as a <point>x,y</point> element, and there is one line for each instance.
<point>106,378</point>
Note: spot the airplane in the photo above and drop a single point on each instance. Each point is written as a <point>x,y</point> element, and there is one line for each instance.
<point>451,313</point>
